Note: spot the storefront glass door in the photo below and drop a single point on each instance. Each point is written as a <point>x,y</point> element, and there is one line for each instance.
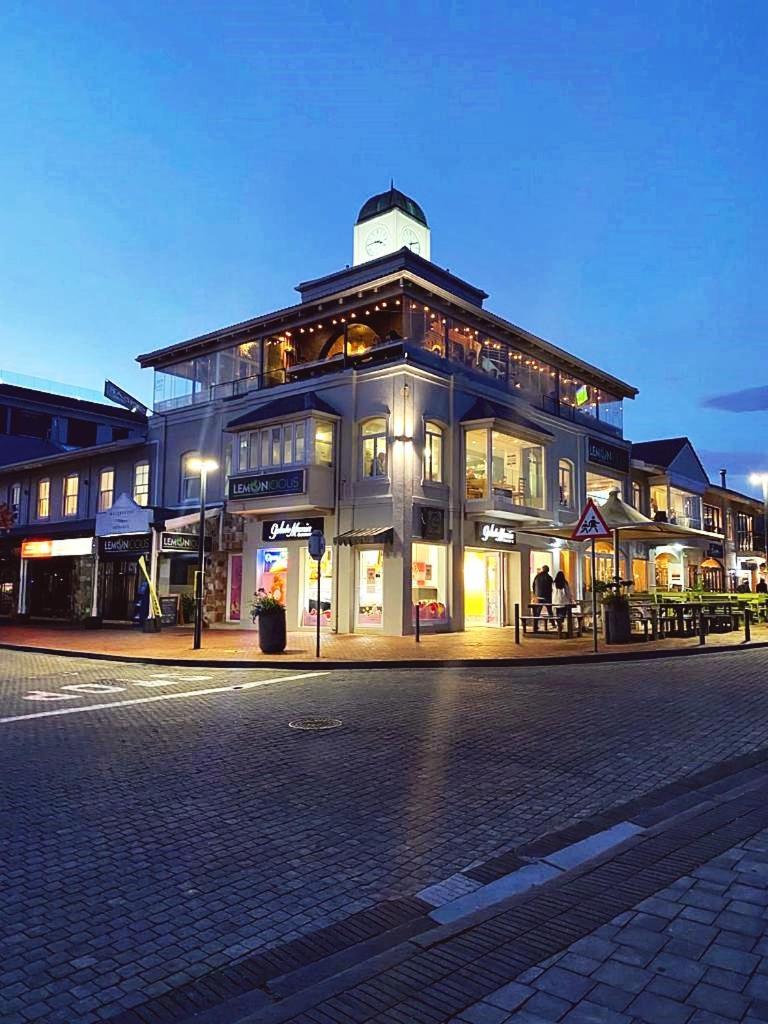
<point>309,602</point>
<point>482,588</point>
<point>370,587</point>
<point>235,588</point>
<point>272,572</point>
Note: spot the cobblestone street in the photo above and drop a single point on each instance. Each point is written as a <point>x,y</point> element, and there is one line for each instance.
<point>158,825</point>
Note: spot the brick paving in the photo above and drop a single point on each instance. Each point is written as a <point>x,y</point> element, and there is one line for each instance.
<point>688,945</point>
<point>231,644</point>
<point>147,846</point>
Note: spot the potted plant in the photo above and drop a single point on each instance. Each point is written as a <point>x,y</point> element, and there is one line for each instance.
<point>271,616</point>
<point>618,624</point>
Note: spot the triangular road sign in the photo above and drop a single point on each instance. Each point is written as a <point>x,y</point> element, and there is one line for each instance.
<point>591,525</point>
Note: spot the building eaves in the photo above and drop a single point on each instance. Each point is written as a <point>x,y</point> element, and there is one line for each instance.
<point>49,399</point>
<point>74,455</point>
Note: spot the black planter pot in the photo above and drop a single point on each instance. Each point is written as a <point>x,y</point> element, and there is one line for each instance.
<point>272,636</point>
<point>151,625</point>
<point>618,627</point>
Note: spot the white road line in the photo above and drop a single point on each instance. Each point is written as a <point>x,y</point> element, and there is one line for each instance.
<point>161,696</point>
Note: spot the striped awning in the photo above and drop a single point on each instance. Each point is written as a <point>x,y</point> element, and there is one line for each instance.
<point>375,535</point>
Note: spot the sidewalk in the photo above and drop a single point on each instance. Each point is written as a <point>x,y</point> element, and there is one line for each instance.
<point>668,926</point>
<point>231,645</point>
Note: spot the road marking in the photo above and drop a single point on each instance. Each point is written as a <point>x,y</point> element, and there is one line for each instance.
<point>47,695</point>
<point>93,688</point>
<point>157,697</point>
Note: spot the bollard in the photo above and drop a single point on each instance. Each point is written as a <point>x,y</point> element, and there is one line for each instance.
<point>569,616</point>
<point>747,625</point>
<point>418,623</point>
<point>654,624</point>
<point>517,623</point>
<point>702,628</point>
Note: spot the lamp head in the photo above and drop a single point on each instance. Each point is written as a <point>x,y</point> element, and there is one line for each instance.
<point>201,465</point>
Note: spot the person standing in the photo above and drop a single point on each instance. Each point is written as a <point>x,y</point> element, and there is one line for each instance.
<point>562,596</point>
<point>542,592</point>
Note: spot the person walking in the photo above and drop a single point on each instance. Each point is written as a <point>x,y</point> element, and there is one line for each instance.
<point>542,592</point>
<point>562,597</point>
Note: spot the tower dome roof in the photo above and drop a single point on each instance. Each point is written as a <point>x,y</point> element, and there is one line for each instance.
<point>392,199</point>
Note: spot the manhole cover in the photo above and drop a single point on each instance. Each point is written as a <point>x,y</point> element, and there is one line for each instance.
<point>315,724</point>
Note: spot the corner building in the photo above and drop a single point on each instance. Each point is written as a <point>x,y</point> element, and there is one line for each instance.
<point>421,432</point>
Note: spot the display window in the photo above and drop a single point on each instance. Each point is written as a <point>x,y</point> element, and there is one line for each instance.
<point>370,604</point>
<point>482,588</point>
<point>603,564</point>
<point>599,487</point>
<point>309,600</point>
<point>429,585</point>
<point>640,575</point>
<point>235,588</point>
<point>272,572</point>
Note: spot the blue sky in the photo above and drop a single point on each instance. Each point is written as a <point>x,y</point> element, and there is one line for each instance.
<point>599,168</point>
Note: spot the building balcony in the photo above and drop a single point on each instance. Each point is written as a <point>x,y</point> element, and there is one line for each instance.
<point>501,501</point>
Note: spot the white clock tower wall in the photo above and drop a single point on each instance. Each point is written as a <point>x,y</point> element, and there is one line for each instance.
<point>387,233</point>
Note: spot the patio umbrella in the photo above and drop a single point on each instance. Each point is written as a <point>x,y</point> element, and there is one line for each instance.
<point>622,519</point>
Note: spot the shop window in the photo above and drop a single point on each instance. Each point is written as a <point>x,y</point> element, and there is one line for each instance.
<point>476,464</point>
<point>482,588</point>
<point>272,572</point>
<point>433,452</point>
<point>565,483</point>
<point>374,444</point>
<point>141,483</point>
<point>517,470</point>
<point>429,586</point>
<point>43,499</point>
<point>370,604</point>
<point>71,490</point>
<point>599,487</point>
<point>603,564</point>
<point>713,519</point>
<point>106,490</point>
<point>640,575</point>
<point>323,443</point>
<point>190,478</point>
<point>309,597</point>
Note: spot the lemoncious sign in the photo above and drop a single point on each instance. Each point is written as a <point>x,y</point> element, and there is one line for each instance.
<point>266,485</point>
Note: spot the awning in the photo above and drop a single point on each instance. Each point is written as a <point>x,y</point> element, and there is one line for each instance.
<point>377,535</point>
<point>190,520</point>
<point>291,406</point>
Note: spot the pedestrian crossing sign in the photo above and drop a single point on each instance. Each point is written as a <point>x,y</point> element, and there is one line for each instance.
<point>591,525</point>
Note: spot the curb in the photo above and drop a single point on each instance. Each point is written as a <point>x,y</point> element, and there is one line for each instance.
<point>566,659</point>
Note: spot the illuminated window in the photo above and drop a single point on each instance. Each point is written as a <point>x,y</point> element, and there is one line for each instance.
<point>43,499</point>
<point>14,500</point>
<point>565,482</point>
<point>433,452</point>
<point>106,490</point>
<point>190,478</point>
<point>637,496</point>
<point>141,483</point>
<point>374,444</point>
<point>71,489</point>
<point>323,443</point>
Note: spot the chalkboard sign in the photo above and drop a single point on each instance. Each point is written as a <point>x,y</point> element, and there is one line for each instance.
<point>169,609</point>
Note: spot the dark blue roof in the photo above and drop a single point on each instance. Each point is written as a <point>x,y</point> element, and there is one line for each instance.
<point>305,402</point>
<point>392,199</point>
<point>484,409</point>
<point>20,449</point>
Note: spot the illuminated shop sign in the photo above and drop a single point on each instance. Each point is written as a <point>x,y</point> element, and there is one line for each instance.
<point>267,485</point>
<point>68,547</point>
<point>290,529</point>
<point>495,534</point>
<point>138,544</point>
<point>183,543</point>
<point>611,456</point>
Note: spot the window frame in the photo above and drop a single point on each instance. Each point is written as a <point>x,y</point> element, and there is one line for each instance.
<point>65,497</point>
<point>566,465</point>
<point>100,506</point>
<point>185,477</point>
<point>433,429</point>
<point>141,464</point>
<point>378,436</point>
<point>39,498</point>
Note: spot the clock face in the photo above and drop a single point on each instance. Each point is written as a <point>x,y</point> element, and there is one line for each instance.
<point>376,242</point>
<point>411,240</point>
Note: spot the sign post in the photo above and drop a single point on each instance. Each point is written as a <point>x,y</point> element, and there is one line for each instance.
<point>316,547</point>
<point>591,526</point>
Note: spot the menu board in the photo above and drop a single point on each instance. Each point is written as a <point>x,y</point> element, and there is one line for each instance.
<point>169,609</point>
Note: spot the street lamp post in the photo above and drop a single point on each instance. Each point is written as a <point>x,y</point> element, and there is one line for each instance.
<point>761,480</point>
<point>204,467</point>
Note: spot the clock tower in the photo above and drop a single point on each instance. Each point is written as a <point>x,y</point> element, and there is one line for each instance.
<point>389,222</point>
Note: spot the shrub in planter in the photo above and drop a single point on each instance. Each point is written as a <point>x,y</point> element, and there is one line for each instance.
<point>618,626</point>
<point>272,632</point>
